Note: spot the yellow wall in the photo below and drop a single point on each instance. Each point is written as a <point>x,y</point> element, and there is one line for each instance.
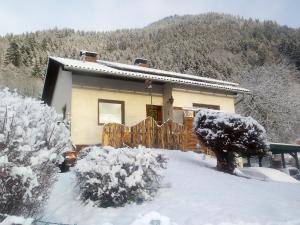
<point>185,98</point>
<point>84,114</point>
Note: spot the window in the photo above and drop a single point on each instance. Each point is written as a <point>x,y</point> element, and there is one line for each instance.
<point>178,115</point>
<point>110,111</point>
<point>215,107</point>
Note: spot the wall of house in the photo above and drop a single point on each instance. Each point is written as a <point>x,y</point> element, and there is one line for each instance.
<point>84,126</point>
<point>102,81</point>
<point>186,98</point>
<point>62,93</point>
<point>87,90</point>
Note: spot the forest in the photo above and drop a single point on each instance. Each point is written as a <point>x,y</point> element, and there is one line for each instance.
<point>262,56</point>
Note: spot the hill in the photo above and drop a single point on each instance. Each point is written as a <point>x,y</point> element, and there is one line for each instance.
<point>261,55</point>
<point>192,193</point>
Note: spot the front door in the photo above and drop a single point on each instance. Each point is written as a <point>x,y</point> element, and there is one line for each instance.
<point>155,111</point>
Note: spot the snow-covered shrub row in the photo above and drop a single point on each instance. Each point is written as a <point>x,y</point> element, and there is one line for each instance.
<point>32,137</point>
<point>230,135</point>
<point>112,177</point>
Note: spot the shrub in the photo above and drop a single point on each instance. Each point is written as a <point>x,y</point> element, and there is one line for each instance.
<point>112,177</point>
<point>31,140</point>
<point>230,135</point>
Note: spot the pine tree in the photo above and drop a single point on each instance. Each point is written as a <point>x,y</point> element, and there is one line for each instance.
<point>13,55</point>
<point>36,70</point>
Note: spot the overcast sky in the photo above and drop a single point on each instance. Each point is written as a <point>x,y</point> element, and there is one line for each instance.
<point>18,16</point>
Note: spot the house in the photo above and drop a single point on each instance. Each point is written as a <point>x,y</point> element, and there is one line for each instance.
<point>91,93</point>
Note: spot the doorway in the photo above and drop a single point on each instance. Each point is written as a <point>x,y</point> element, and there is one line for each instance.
<point>155,111</point>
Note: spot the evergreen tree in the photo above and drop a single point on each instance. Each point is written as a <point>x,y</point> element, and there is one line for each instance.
<point>36,70</point>
<point>13,55</point>
<point>230,135</point>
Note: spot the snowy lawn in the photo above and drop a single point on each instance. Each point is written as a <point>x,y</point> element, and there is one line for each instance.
<point>192,193</point>
<point>266,174</point>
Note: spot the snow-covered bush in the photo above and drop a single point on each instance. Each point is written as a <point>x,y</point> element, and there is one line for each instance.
<point>230,135</point>
<point>32,137</point>
<point>112,177</point>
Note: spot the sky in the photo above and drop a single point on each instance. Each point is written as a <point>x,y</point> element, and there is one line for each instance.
<point>19,16</point>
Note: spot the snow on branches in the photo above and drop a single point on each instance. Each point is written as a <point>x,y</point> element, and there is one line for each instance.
<point>32,136</point>
<point>230,135</point>
<point>112,177</point>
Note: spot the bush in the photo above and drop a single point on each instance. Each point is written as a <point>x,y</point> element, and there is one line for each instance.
<point>230,135</point>
<point>112,177</point>
<point>31,140</point>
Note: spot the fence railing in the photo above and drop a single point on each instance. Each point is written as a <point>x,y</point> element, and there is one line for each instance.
<point>169,135</point>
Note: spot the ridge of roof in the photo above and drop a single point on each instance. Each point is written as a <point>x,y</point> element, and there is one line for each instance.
<point>78,65</point>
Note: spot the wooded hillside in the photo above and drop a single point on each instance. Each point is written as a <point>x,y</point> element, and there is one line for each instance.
<point>261,56</point>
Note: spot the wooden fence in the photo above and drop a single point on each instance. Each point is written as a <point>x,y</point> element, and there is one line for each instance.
<point>169,135</point>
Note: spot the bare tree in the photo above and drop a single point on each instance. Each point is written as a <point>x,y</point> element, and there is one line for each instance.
<point>274,101</point>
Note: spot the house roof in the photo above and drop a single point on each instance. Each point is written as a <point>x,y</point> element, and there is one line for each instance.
<point>153,71</point>
<point>125,71</point>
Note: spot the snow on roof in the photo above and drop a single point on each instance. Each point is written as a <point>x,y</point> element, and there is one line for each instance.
<point>135,68</point>
<point>107,68</point>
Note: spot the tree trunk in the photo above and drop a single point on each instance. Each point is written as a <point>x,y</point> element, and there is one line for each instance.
<point>225,161</point>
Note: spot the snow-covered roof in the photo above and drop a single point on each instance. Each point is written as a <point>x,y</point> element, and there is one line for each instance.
<point>140,73</point>
<point>141,69</point>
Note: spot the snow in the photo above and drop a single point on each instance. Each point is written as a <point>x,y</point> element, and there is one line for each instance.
<point>3,160</point>
<point>123,174</point>
<point>11,220</point>
<point>32,138</point>
<point>26,174</point>
<point>153,218</point>
<point>228,119</point>
<point>266,174</point>
<point>231,132</point>
<point>192,193</point>
<point>142,69</point>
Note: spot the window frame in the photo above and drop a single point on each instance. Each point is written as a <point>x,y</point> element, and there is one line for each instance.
<point>206,106</point>
<point>179,108</point>
<point>122,103</point>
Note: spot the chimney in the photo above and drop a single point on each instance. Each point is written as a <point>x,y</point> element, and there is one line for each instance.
<point>88,56</point>
<point>142,62</point>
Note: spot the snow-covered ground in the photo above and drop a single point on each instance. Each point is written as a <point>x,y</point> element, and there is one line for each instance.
<point>192,193</point>
<point>266,174</point>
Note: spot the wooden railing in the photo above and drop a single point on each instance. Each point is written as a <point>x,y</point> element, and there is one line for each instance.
<point>169,135</point>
